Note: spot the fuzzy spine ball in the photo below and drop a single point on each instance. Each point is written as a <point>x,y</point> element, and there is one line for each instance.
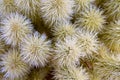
<point>7,7</point>
<point>35,49</point>
<point>14,28</point>
<point>91,19</point>
<point>13,66</point>
<point>29,8</point>
<point>55,12</point>
<point>81,5</point>
<point>67,52</point>
<point>70,73</point>
<point>63,30</point>
<point>88,41</point>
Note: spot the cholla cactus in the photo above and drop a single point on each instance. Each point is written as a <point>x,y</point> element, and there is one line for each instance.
<point>70,73</point>
<point>107,67</point>
<point>81,5</point>
<point>63,30</point>
<point>39,73</point>
<point>81,38</point>
<point>90,62</point>
<point>88,41</point>
<point>7,7</point>
<point>14,28</point>
<point>29,8</point>
<point>13,66</point>
<point>111,36</point>
<point>112,9</point>
<point>91,19</point>
<point>35,49</point>
<point>55,12</point>
<point>67,52</point>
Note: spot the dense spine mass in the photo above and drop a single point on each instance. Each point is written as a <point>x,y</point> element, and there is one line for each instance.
<point>14,28</point>
<point>59,39</point>
<point>35,49</point>
<point>55,12</point>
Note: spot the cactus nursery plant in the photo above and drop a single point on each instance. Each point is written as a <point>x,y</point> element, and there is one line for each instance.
<point>59,39</point>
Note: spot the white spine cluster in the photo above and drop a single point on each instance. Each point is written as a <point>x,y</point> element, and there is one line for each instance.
<point>14,28</point>
<point>88,41</point>
<point>62,31</point>
<point>30,8</point>
<point>91,19</point>
<point>81,5</point>
<point>55,12</point>
<point>13,66</point>
<point>67,52</point>
<point>35,49</point>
